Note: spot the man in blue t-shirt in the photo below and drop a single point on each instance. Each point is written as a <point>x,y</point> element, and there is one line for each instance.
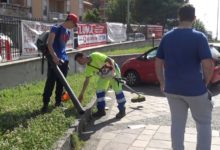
<point>184,68</point>
<point>58,37</point>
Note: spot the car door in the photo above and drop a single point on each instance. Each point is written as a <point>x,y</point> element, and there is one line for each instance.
<point>146,66</point>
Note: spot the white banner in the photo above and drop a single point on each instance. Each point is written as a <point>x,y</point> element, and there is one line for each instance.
<point>116,32</point>
<point>30,32</point>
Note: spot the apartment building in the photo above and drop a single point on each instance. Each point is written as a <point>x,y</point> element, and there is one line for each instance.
<point>44,9</point>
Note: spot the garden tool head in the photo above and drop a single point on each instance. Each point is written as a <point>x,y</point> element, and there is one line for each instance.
<point>138,98</point>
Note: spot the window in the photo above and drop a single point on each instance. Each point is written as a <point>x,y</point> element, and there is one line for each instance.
<point>152,54</point>
<point>4,1</point>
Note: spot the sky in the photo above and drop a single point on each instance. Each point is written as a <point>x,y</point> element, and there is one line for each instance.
<point>206,11</point>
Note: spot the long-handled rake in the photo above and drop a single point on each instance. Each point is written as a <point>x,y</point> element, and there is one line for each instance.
<point>139,98</point>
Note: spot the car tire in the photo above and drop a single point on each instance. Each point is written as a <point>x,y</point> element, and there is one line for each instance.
<point>132,78</point>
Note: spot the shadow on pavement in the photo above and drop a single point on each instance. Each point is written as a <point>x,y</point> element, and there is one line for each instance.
<point>147,89</point>
<point>94,127</point>
<point>154,90</point>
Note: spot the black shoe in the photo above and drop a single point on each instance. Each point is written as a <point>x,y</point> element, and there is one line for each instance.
<point>121,114</point>
<point>59,105</point>
<point>44,109</point>
<point>99,114</point>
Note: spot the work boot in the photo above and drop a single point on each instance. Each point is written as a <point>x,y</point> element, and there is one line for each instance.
<point>44,109</point>
<point>121,113</point>
<point>99,113</point>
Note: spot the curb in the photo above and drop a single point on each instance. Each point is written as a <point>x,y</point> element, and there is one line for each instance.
<point>65,142</point>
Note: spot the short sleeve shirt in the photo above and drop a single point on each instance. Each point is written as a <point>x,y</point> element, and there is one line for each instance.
<point>182,51</point>
<point>61,38</point>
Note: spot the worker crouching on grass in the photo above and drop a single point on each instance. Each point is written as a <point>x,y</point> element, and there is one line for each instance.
<point>100,64</point>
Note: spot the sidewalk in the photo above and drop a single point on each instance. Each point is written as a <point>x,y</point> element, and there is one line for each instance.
<point>145,127</point>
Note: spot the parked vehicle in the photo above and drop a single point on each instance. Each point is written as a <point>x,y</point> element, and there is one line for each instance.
<point>4,38</point>
<point>142,69</point>
<point>5,47</point>
<point>136,37</point>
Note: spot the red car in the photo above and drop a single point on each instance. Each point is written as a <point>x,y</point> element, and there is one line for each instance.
<point>142,69</point>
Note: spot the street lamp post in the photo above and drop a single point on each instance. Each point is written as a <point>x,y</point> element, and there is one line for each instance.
<point>217,21</point>
<point>153,37</point>
<point>128,17</point>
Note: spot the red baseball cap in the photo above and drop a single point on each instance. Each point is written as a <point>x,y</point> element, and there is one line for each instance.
<point>72,17</point>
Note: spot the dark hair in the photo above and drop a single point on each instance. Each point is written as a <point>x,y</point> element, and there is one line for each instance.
<point>78,55</point>
<point>187,13</point>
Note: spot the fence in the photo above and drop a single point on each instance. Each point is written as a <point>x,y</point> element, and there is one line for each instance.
<point>11,37</point>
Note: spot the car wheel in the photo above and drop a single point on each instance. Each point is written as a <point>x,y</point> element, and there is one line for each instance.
<point>132,78</point>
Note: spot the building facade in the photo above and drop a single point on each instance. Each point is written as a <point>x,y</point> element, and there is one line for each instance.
<point>44,9</point>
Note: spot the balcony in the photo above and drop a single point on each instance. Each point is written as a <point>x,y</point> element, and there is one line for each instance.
<point>56,15</point>
<point>17,10</point>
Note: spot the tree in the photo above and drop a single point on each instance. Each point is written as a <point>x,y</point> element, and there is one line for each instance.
<point>156,11</point>
<point>144,11</point>
<point>117,11</point>
<point>92,16</point>
<point>198,25</point>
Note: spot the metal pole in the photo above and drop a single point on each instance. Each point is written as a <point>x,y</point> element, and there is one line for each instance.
<point>128,12</point>
<point>153,42</point>
<point>81,9</point>
<point>153,38</point>
<point>128,17</point>
<point>217,21</point>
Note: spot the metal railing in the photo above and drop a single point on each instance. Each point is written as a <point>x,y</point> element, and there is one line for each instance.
<point>10,38</point>
<point>56,15</point>
<point>14,10</point>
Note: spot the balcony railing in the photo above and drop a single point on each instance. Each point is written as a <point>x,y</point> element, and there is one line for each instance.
<point>56,15</point>
<point>14,10</point>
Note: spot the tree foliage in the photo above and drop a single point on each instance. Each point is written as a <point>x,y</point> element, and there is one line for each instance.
<point>144,11</point>
<point>198,25</point>
<point>117,11</point>
<point>92,16</point>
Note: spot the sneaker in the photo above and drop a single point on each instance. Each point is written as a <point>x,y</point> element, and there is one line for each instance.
<point>99,114</point>
<point>120,114</point>
<point>44,109</point>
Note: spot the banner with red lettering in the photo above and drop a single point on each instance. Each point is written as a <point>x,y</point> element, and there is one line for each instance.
<point>30,32</point>
<point>157,30</point>
<point>91,35</point>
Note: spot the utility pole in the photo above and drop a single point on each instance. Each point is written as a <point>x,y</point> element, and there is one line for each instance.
<point>80,9</point>
<point>128,17</point>
<point>128,11</point>
<point>217,21</point>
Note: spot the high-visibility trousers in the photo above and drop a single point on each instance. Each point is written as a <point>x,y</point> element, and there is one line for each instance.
<point>103,84</point>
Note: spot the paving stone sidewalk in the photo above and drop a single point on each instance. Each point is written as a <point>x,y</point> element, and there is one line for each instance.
<point>145,127</point>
